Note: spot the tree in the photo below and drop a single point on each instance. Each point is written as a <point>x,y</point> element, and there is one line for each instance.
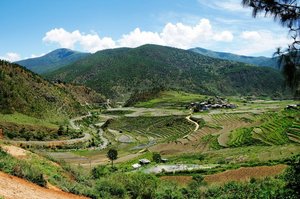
<point>156,157</point>
<point>60,130</point>
<point>292,175</point>
<point>112,154</point>
<point>287,12</point>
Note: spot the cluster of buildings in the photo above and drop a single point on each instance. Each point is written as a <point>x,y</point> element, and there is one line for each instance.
<point>212,103</point>
<point>145,162</point>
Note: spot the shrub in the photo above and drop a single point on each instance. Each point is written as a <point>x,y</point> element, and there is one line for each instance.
<point>100,171</point>
<point>198,179</point>
<point>156,157</point>
<point>108,188</point>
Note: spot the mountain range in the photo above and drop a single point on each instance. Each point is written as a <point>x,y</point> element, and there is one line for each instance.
<point>117,73</point>
<point>258,61</point>
<point>52,61</point>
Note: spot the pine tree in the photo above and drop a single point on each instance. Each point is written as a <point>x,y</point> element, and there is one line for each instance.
<point>287,13</point>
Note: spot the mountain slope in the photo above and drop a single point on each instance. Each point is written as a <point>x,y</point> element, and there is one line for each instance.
<point>117,73</point>
<point>258,61</point>
<point>25,92</point>
<point>53,60</point>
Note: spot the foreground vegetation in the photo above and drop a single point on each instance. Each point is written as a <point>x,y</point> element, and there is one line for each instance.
<point>107,182</point>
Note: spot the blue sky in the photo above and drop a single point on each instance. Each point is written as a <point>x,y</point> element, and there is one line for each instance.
<point>31,28</point>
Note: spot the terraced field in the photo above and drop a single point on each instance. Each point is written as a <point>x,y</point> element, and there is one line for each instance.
<point>208,136</point>
<point>164,127</point>
<point>271,128</point>
<point>293,131</point>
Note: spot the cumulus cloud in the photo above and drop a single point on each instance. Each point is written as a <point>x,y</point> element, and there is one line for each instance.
<point>64,38</point>
<point>176,35</point>
<point>89,42</point>
<point>225,36</point>
<point>12,57</point>
<point>184,36</point>
<point>254,42</point>
<point>138,37</point>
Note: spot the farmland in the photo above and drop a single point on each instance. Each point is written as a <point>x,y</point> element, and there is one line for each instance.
<point>209,148</point>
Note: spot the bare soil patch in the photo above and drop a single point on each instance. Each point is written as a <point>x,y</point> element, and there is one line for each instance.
<point>245,174</point>
<point>181,180</point>
<point>12,187</point>
<point>14,151</point>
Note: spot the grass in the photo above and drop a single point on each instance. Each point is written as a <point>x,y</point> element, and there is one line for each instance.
<point>87,153</point>
<point>212,140</point>
<point>242,137</point>
<point>170,99</point>
<point>246,154</point>
<point>19,118</point>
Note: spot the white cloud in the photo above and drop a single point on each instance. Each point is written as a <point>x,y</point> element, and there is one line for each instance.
<point>64,38</point>
<point>229,5</point>
<point>256,42</point>
<point>138,37</point>
<point>224,36</point>
<point>176,35</point>
<point>89,42</point>
<point>12,57</point>
<point>251,35</point>
<point>93,43</point>
<point>184,36</point>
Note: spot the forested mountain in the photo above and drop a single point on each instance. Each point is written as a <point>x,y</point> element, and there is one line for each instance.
<point>53,60</point>
<point>258,61</point>
<point>117,73</point>
<point>25,92</point>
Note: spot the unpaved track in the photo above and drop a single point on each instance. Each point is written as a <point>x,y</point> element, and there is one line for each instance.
<point>12,187</point>
<point>85,138</point>
<point>192,121</point>
<point>72,121</point>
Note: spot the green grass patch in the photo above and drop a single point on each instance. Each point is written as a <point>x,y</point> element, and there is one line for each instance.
<point>19,118</point>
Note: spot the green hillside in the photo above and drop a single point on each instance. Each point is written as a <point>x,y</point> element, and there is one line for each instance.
<point>29,94</point>
<point>117,73</point>
<point>52,61</point>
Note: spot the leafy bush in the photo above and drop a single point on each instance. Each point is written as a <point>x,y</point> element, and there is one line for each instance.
<point>156,157</point>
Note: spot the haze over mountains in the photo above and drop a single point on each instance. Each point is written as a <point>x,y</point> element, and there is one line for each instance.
<point>258,61</point>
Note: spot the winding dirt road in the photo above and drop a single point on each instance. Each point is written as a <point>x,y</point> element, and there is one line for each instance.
<point>192,121</point>
<point>53,143</point>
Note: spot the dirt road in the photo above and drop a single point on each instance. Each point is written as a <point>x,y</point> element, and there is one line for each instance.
<point>192,121</point>
<point>85,138</point>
